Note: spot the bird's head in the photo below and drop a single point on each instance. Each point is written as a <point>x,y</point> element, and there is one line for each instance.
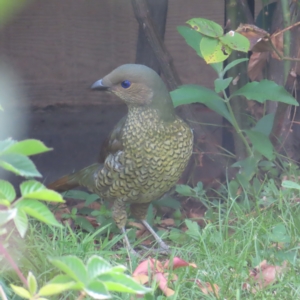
<point>138,85</point>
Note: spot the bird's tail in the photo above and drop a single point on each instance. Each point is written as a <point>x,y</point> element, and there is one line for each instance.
<point>84,177</point>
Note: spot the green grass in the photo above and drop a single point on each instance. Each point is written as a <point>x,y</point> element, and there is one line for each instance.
<point>234,241</point>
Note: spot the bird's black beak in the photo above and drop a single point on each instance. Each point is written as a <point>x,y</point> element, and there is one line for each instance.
<point>99,86</point>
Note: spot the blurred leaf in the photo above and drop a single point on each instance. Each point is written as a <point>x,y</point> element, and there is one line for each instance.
<point>193,230</point>
<point>59,284</point>
<point>72,266</point>
<point>35,190</point>
<point>206,27</point>
<point>7,190</point>
<point>20,291</point>
<point>10,8</point>
<point>19,164</point>
<point>213,50</point>
<point>290,185</point>
<point>91,198</point>
<point>28,147</point>
<point>235,41</point>
<point>84,224</point>
<point>7,215</point>
<point>96,266</point>
<point>32,284</point>
<point>38,211</point>
<point>248,168</point>
<point>75,194</point>
<point>177,236</point>
<point>184,190</point>
<point>265,90</point>
<point>261,143</point>
<point>222,84</point>
<point>122,283</point>
<point>187,94</point>
<point>5,144</point>
<point>167,202</point>
<point>265,124</point>
<point>97,290</point>
<point>233,64</point>
<point>279,234</point>
<point>21,222</point>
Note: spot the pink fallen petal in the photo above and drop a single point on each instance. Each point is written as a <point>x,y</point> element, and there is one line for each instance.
<point>152,264</point>
<point>162,283</point>
<point>177,263</point>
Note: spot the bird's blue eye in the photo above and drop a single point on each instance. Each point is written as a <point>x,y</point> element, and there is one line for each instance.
<point>126,84</point>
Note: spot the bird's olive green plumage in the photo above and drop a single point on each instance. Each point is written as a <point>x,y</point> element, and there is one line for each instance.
<point>145,154</point>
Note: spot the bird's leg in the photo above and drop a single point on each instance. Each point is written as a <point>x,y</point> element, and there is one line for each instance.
<point>139,211</point>
<point>120,217</point>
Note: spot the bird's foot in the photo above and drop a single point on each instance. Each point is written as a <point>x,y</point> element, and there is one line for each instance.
<point>163,249</point>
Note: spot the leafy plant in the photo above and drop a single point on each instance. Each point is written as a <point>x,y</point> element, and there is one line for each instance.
<point>208,40</point>
<point>96,279</point>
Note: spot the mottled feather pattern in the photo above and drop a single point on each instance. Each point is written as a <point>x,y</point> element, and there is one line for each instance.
<point>155,155</point>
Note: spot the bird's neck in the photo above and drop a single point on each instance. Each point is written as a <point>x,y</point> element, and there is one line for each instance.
<point>146,113</point>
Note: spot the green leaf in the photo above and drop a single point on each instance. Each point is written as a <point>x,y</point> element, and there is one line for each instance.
<point>7,191</point>
<point>7,215</point>
<point>28,147</point>
<point>122,283</point>
<point>235,41</point>
<point>97,290</point>
<point>290,185</point>
<point>233,64</point>
<point>38,210</point>
<point>193,230</point>
<point>265,90</point>
<point>5,144</point>
<point>184,190</point>
<point>35,190</point>
<point>72,266</point>
<point>58,285</point>
<point>191,37</point>
<point>167,202</point>
<point>248,168</point>
<point>21,222</point>
<point>261,143</point>
<point>32,284</point>
<point>9,9</point>
<point>20,291</point>
<point>96,266</point>
<point>206,27</point>
<point>279,234</point>
<point>19,164</point>
<point>222,84</point>
<point>187,94</point>
<point>84,224</point>
<point>91,198</point>
<point>213,50</point>
<point>74,194</point>
<point>265,124</point>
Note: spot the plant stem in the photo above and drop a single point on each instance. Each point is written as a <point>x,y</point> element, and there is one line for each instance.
<point>13,264</point>
<point>286,37</point>
<point>236,125</point>
<point>235,12</point>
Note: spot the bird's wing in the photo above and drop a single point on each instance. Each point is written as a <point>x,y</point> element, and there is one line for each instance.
<point>113,142</point>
